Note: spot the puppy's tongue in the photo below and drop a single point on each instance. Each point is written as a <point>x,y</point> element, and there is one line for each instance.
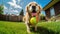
<point>33,14</point>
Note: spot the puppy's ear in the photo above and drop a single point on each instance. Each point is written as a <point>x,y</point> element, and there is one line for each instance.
<point>27,9</point>
<point>40,9</point>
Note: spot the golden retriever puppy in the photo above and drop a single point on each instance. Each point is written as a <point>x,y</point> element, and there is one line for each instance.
<point>32,10</point>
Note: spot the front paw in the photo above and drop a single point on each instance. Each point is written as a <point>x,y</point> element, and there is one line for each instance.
<point>28,31</point>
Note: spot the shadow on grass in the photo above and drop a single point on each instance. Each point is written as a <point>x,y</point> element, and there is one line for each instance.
<point>41,30</point>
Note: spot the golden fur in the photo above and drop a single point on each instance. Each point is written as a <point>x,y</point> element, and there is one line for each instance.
<point>28,15</point>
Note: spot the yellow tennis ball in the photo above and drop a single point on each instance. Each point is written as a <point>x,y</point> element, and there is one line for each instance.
<point>33,21</point>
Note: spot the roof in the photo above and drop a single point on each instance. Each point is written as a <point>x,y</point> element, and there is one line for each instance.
<point>50,4</point>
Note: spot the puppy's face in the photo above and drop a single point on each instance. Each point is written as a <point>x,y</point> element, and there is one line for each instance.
<point>33,8</point>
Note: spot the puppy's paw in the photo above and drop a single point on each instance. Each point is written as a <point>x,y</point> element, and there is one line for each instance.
<point>28,31</point>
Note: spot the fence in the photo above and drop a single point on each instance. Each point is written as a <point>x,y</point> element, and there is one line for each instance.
<point>11,18</point>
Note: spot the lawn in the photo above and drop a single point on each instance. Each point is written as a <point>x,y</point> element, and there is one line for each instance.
<point>20,28</point>
<point>12,28</point>
<point>49,27</point>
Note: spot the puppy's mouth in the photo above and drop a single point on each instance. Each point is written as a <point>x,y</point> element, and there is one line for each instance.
<point>33,13</point>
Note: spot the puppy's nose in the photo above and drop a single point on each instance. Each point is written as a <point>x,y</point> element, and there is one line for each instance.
<point>33,7</point>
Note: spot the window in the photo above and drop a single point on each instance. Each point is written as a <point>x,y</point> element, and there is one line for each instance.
<point>52,12</point>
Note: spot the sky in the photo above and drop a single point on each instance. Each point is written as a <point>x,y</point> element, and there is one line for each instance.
<point>15,6</point>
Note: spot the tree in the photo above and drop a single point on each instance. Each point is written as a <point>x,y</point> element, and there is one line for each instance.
<point>1,9</point>
<point>22,13</point>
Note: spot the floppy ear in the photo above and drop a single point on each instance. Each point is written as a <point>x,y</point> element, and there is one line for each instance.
<point>40,9</point>
<point>27,9</point>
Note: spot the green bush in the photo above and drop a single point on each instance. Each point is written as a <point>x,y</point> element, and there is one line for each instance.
<point>53,18</point>
<point>42,17</point>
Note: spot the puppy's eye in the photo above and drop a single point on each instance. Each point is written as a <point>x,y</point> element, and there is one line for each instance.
<point>30,5</point>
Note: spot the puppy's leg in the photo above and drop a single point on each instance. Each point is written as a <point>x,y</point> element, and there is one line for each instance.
<point>26,22</point>
<point>28,29</point>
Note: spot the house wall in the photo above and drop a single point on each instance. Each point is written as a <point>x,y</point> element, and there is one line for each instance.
<point>47,13</point>
<point>57,8</point>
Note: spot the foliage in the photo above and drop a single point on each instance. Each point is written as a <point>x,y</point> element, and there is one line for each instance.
<point>58,15</point>
<point>22,13</point>
<point>53,18</point>
<point>42,17</point>
<point>1,9</point>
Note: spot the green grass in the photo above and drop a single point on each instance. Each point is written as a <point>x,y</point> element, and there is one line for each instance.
<point>7,27</point>
<point>12,28</point>
<point>20,28</point>
<point>50,27</point>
